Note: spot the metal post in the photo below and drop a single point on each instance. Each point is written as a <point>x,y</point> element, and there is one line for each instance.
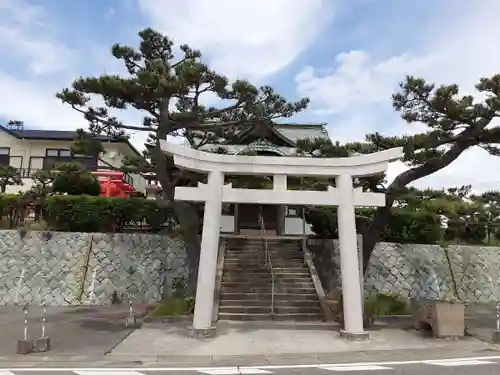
<point>44,320</point>
<point>25,345</point>
<point>25,309</point>
<point>131,321</point>
<point>498,316</point>
<point>42,343</point>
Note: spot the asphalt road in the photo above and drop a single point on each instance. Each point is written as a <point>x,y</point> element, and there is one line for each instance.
<point>461,366</point>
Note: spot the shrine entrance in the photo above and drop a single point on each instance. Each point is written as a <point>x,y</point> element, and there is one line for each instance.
<point>248,217</point>
<point>343,195</point>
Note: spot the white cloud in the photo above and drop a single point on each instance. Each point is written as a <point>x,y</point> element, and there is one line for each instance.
<point>25,35</point>
<point>455,47</point>
<point>26,31</point>
<point>35,104</point>
<point>244,38</point>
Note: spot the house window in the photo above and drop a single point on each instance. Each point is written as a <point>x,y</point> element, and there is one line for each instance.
<point>55,156</point>
<point>4,155</point>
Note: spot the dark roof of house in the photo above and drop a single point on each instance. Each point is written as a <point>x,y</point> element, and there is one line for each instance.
<point>59,135</point>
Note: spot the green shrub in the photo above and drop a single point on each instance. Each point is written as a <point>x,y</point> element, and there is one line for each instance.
<point>74,179</point>
<point>403,226</point>
<point>10,210</point>
<point>84,213</point>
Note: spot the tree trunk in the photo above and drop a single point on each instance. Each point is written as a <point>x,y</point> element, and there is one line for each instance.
<point>189,224</point>
<point>372,235</point>
<point>187,216</point>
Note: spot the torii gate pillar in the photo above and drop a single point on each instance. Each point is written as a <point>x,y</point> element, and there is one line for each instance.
<point>202,320</point>
<point>349,260</point>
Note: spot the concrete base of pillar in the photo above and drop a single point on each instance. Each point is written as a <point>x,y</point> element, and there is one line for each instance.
<point>495,337</point>
<point>24,346</point>
<point>362,336</point>
<point>204,333</point>
<point>42,344</point>
<point>132,322</point>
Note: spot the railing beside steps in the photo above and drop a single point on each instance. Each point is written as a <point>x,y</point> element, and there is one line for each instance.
<point>308,260</point>
<point>268,260</point>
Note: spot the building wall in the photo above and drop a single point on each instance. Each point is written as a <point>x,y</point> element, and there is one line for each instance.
<point>58,269</point>
<point>114,155</point>
<point>29,154</point>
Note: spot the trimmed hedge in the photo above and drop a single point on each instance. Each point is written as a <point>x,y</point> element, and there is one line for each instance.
<point>83,213</point>
<point>403,226</point>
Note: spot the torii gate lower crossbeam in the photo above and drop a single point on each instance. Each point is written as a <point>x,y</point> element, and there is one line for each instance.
<point>214,193</point>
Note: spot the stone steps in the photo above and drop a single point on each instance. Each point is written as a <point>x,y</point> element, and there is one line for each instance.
<point>265,309</point>
<point>266,296</point>
<point>268,316</point>
<point>237,280</point>
<point>262,256</point>
<point>237,268</point>
<point>266,303</point>
<point>277,264</point>
<point>250,288</point>
<point>246,290</point>
<point>267,283</point>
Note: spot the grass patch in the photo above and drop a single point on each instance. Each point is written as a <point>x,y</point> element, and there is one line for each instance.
<point>386,304</point>
<point>174,306</point>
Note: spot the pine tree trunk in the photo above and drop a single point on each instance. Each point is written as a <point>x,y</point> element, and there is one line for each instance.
<point>189,224</point>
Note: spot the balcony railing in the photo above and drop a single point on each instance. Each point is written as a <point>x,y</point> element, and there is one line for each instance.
<point>29,172</point>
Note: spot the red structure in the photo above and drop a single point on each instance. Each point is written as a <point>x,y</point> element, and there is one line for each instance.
<point>113,185</point>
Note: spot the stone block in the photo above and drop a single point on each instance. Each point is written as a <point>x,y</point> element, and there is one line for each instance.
<point>495,337</point>
<point>24,346</point>
<point>362,336</point>
<point>204,333</point>
<point>42,344</point>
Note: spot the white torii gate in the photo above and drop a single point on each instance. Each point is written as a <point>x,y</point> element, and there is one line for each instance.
<point>214,193</point>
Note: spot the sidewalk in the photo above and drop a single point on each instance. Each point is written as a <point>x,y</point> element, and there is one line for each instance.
<point>170,344</point>
<point>481,320</point>
<point>275,343</point>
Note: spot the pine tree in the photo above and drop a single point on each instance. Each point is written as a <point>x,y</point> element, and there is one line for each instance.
<point>169,89</point>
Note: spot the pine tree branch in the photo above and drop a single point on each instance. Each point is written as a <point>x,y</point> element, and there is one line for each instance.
<point>109,123</point>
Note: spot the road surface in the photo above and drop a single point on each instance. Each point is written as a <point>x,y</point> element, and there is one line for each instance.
<point>457,366</point>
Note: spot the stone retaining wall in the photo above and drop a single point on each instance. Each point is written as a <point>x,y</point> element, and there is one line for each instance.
<point>58,269</point>
<point>427,271</point>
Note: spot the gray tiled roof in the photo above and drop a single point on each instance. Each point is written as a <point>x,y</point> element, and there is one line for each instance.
<point>60,135</point>
<point>63,135</point>
<point>294,132</point>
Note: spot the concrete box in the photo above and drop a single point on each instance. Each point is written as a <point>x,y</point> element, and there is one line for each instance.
<point>447,319</point>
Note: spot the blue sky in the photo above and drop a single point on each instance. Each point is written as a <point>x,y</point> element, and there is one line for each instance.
<point>346,55</point>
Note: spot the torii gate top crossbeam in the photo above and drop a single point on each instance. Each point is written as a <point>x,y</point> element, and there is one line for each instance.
<point>201,161</point>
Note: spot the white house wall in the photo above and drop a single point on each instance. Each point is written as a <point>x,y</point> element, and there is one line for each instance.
<point>293,226</point>
<point>29,153</point>
<point>227,224</point>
